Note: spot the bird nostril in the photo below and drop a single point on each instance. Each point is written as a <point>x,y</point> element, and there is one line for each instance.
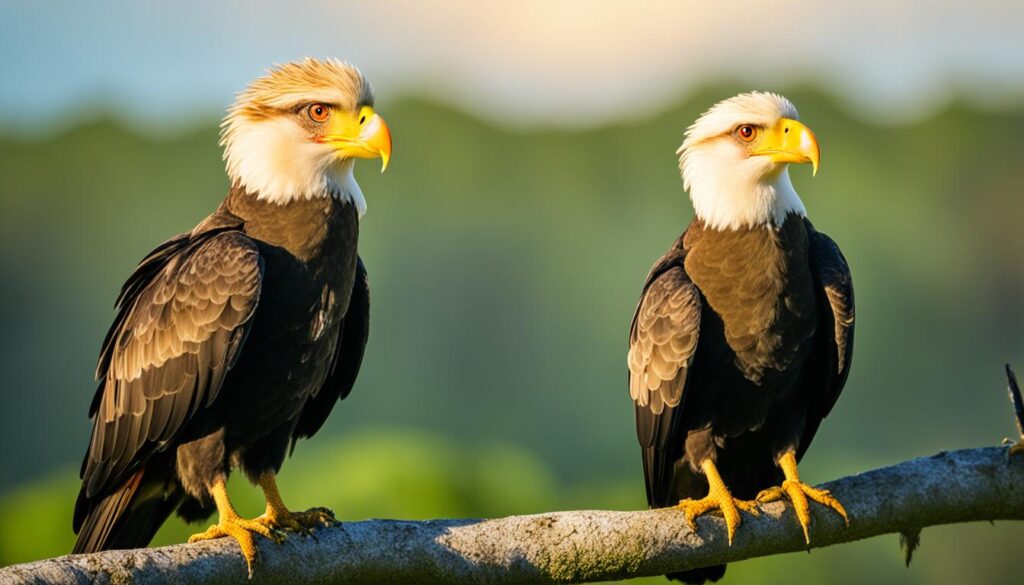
<point>787,130</point>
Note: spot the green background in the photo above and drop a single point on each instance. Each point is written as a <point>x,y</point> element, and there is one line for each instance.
<point>504,267</point>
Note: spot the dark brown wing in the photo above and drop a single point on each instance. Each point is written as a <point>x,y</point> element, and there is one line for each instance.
<point>183,316</point>
<point>833,351</point>
<point>662,343</point>
<point>348,356</point>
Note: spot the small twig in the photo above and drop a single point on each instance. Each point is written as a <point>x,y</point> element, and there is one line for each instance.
<point>1015,399</point>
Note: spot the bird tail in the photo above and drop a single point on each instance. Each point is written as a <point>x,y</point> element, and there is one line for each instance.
<point>128,517</point>
<point>699,576</point>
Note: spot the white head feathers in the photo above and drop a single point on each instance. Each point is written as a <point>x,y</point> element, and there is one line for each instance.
<point>269,152</point>
<point>729,187</point>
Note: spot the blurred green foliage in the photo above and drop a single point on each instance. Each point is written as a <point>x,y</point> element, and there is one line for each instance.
<point>416,475</point>
<point>504,266</point>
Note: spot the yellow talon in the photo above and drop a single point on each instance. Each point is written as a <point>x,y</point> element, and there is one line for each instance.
<point>269,524</point>
<point>233,525</point>
<point>278,516</point>
<point>300,522</point>
<point>718,498</point>
<point>798,493</point>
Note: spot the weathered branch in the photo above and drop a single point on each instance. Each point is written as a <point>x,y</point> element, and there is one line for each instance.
<point>960,486</point>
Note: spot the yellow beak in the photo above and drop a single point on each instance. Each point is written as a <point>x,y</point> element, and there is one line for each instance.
<point>789,141</point>
<point>364,135</point>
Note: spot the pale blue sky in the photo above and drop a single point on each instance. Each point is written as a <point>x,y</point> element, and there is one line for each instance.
<point>531,61</point>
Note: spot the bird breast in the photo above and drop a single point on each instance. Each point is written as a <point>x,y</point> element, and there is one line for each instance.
<point>757,281</point>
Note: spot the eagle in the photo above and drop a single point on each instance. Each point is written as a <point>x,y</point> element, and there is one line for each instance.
<point>236,339</point>
<point>742,338</point>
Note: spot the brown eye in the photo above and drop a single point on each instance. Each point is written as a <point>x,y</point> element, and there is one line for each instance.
<point>746,132</point>
<point>319,112</point>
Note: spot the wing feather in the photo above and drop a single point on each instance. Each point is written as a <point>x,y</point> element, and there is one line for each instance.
<point>182,317</point>
<point>829,364</point>
<point>348,357</point>
<point>663,341</point>
<point>836,307</point>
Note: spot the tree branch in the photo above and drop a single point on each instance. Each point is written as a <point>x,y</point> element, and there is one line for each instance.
<point>960,486</point>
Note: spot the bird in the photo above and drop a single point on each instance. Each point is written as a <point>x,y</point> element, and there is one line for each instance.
<point>236,339</point>
<point>742,339</point>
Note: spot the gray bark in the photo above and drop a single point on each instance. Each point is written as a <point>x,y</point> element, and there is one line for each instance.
<point>584,546</point>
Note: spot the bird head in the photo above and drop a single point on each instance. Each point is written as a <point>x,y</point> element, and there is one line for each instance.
<point>735,160</point>
<point>295,132</point>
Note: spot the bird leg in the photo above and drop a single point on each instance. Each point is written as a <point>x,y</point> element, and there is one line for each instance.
<point>718,498</point>
<point>233,525</point>
<point>278,515</point>
<point>798,493</point>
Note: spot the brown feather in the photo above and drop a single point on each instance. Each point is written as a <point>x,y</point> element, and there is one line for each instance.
<point>187,316</point>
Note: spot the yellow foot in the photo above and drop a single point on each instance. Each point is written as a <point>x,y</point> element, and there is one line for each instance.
<point>242,530</point>
<point>798,493</point>
<point>300,522</point>
<point>729,506</point>
<point>718,498</point>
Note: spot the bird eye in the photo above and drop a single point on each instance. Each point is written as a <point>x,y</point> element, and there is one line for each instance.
<point>319,112</point>
<point>746,132</point>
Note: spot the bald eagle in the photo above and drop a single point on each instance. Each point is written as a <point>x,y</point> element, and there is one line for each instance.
<point>237,338</point>
<point>742,339</point>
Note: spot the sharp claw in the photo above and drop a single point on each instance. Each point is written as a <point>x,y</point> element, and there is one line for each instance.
<point>730,508</point>
<point>279,536</point>
<point>799,500</point>
<point>687,507</point>
<point>798,493</point>
<point>242,530</point>
<point>772,494</point>
<point>750,507</point>
<point>212,532</point>
<point>302,523</point>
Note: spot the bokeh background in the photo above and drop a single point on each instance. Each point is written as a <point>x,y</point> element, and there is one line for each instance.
<point>533,183</point>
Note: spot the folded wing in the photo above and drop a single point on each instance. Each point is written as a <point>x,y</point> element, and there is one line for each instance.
<point>182,319</point>
<point>662,343</point>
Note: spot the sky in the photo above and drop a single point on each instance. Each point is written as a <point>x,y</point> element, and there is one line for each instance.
<point>528,62</point>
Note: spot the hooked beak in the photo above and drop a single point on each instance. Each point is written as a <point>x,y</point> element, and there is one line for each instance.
<point>789,141</point>
<point>365,135</point>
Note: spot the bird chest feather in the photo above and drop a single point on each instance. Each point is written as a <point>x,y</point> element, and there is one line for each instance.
<point>757,281</point>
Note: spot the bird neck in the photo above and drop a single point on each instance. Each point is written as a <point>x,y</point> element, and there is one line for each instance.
<point>274,162</point>
<point>337,182</point>
<point>306,228</point>
<point>342,185</point>
<point>732,200</point>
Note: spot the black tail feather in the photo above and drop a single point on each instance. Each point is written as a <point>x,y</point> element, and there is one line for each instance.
<point>127,518</point>
<point>699,576</point>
